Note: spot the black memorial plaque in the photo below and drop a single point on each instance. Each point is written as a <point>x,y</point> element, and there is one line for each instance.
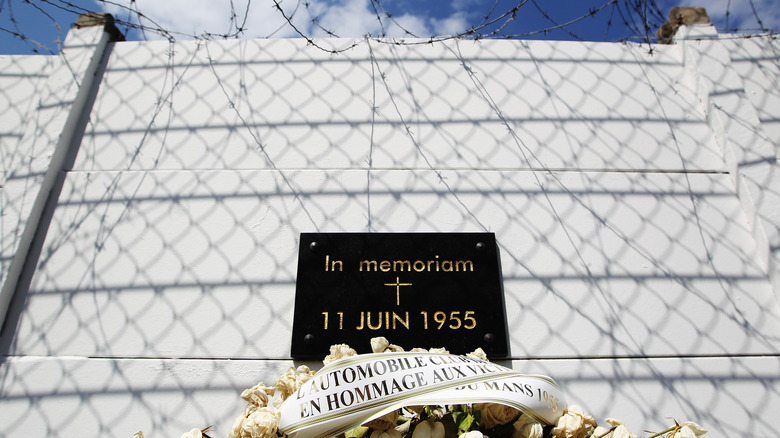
<point>416,289</point>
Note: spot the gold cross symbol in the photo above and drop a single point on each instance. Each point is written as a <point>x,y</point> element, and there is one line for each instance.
<point>398,285</point>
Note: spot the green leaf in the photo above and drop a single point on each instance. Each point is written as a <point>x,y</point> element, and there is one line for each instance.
<point>465,424</point>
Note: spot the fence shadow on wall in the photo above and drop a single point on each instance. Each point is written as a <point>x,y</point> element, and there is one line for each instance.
<point>174,241</point>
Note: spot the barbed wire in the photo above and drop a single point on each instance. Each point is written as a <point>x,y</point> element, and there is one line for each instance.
<point>6,8</point>
<point>639,20</point>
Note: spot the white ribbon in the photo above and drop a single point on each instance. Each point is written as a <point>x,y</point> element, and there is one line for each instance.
<point>356,389</point>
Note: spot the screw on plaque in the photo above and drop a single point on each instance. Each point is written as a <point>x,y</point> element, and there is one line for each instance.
<point>308,339</point>
<point>480,246</point>
<point>489,338</point>
<point>314,246</point>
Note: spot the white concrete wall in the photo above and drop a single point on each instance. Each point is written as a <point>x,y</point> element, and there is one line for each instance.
<point>756,62</point>
<point>45,116</point>
<point>632,272</point>
<point>21,80</point>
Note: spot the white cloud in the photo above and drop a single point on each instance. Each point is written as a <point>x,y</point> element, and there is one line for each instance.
<point>345,18</point>
<point>741,13</point>
<point>352,18</point>
<point>198,17</point>
<point>356,18</point>
<point>407,22</point>
<point>461,5</point>
<point>452,25</point>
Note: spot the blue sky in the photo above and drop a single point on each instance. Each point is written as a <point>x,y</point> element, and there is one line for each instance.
<point>45,22</point>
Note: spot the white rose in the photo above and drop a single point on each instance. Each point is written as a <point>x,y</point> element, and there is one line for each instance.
<point>574,423</point>
<point>494,414</point>
<point>235,432</point>
<point>472,434</point>
<point>688,430</point>
<point>193,433</point>
<point>479,353</point>
<point>356,432</point>
<point>441,350</point>
<point>427,430</point>
<point>415,408</point>
<point>422,430</point>
<point>389,433</point>
<point>384,422</point>
<point>612,432</point>
<point>438,430</point>
<point>292,380</point>
<point>261,423</point>
<point>618,430</point>
<point>257,395</point>
<point>683,432</point>
<point>337,352</point>
<point>382,345</point>
<point>379,344</point>
<point>527,427</point>
<point>621,431</point>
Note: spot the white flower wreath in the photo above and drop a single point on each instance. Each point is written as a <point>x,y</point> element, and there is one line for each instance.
<point>261,416</point>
